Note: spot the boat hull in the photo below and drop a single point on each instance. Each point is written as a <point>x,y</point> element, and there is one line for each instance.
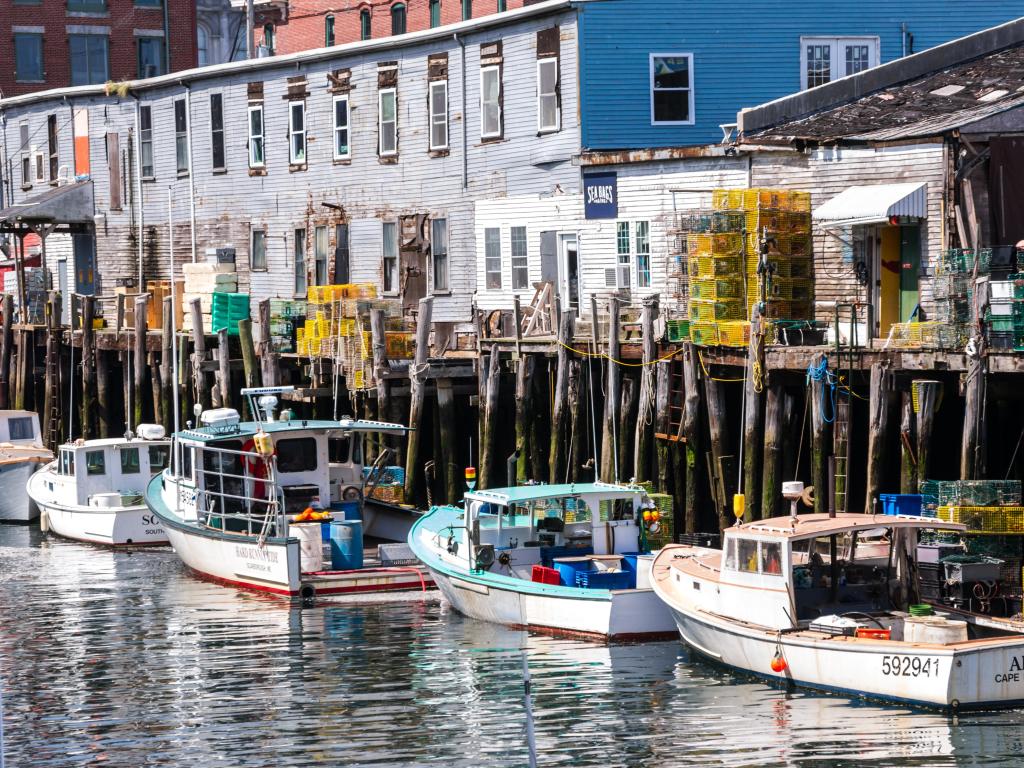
<point>388,522</point>
<point>15,504</point>
<point>121,526</point>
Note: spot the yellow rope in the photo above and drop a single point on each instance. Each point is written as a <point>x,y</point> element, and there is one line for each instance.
<point>708,374</point>
<point>583,353</point>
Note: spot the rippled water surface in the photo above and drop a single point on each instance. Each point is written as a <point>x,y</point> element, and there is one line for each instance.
<point>124,659</point>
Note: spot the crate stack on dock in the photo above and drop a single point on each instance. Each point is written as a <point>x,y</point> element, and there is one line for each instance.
<point>202,281</point>
<point>286,316</point>
<point>1004,321</point>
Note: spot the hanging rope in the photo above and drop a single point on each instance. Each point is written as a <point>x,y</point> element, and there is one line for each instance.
<point>605,355</point>
<point>820,372</point>
<point>704,368</point>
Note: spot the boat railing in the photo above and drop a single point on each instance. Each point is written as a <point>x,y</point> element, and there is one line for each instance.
<point>238,492</point>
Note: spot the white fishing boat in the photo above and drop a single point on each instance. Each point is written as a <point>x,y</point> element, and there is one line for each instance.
<point>241,503</point>
<point>21,453</point>
<point>93,491</point>
<point>561,559</point>
<point>825,602</point>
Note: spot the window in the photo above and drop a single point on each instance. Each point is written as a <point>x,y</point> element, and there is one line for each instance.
<point>365,25</point>
<point>547,95</point>
<point>88,59</point>
<point>439,115</point>
<point>467,10</point>
<point>622,251</point>
<point>671,88</point>
<point>268,38</point>
<point>146,141</point>
<point>202,45</point>
<point>130,461</point>
<point>28,58</point>
<point>398,19</point>
<point>256,159</point>
<point>439,254</point>
<point>390,251</point>
<point>301,286</point>
<point>342,272</point>
<point>217,130</point>
<point>643,254</point>
<point>297,132</point>
<point>329,30</point>
<point>51,141</point>
<point>89,6</point>
<point>258,257</point>
<point>502,6</point>
<point>388,127</point>
<point>747,555</point>
<point>150,53</point>
<point>632,245</point>
<point>181,135</point>
<point>159,457</point>
<point>67,463</point>
<point>520,261</point>
<point>492,258</point>
<point>342,150</point>
<point>435,13</point>
<point>20,428</point>
<point>771,557</point>
<point>490,102</point>
<point>26,156</point>
<point>297,454</point>
<point>95,463</point>
<point>320,248</point>
<point>823,59</point>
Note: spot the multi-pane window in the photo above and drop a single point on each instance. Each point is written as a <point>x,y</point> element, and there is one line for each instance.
<point>633,247</point>
<point>329,30</point>
<point>547,95</point>
<point>181,135</point>
<point>256,157</point>
<point>320,248</point>
<point>150,54</point>
<point>342,149</point>
<point>268,38</point>
<point>217,130</point>
<point>671,88</point>
<point>622,254</point>
<point>301,286</point>
<point>388,125</point>
<point>439,254</point>
<point>492,258</point>
<point>365,24</point>
<point>643,254</point>
<point>297,132</point>
<point>520,262</point>
<point>89,59</point>
<point>490,102</point>
<point>390,256</point>
<point>824,59</point>
<point>28,57</point>
<point>258,257</point>
<point>439,114</point>
<point>435,13</point>
<point>51,141</point>
<point>398,19</point>
<point>146,141</point>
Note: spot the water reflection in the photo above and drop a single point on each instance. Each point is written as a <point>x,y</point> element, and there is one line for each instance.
<point>125,659</point>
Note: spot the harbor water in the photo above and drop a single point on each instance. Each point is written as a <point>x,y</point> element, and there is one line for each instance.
<point>125,659</point>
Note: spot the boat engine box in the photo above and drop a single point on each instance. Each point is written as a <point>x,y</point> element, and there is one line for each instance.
<point>835,625</point>
<point>933,553</point>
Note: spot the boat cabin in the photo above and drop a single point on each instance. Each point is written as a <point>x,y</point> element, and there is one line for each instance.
<point>20,428</point>
<point>107,472</point>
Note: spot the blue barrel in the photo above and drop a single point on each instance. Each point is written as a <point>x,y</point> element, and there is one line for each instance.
<point>346,545</point>
<point>350,510</point>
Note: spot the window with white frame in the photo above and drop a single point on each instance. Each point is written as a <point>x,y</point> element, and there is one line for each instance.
<point>642,252</point>
<point>342,148</point>
<point>439,115</point>
<point>824,59</point>
<point>321,245</point>
<point>439,254</point>
<point>672,89</point>
<point>299,251</point>
<point>633,254</point>
<point>548,118</point>
<point>256,156</point>
<point>622,252</point>
<point>387,130</point>
<point>390,254</point>
<point>492,258</point>
<point>490,102</point>
<point>520,260</point>
<point>297,132</point>
<point>258,257</point>
<point>181,136</point>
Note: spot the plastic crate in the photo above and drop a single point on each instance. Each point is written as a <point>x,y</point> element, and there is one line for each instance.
<point>542,575</point>
<point>901,503</point>
<point>985,519</point>
<point>604,579</point>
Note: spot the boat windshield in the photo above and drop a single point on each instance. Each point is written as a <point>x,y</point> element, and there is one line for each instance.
<point>846,572</point>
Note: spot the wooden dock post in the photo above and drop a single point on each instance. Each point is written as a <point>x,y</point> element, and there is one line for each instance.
<point>224,367</point>
<point>721,460</point>
<point>381,367</point>
<point>88,368</point>
<point>559,410</point>
<point>612,398</point>
<point>928,394</point>
<point>753,420</point>
<point>446,419</point>
<point>486,470</point>
<point>643,439</point>
<point>6,350</point>
<point>577,420</point>
<point>167,366</point>
<point>417,383</point>
<point>627,418</point>
<point>771,477</point>
<point>690,428</point>
<point>908,461</point>
<point>822,408</point>
<point>141,327</point>
<point>51,393</point>
<point>879,402</point>
<point>270,361</point>
<point>972,448</point>
<point>21,370</point>
<point>103,412</point>
<point>199,353</point>
<point>663,447</point>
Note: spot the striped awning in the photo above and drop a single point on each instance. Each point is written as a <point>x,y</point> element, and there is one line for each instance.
<point>874,204</point>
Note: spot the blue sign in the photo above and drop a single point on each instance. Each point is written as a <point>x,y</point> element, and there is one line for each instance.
<point>601,195</point>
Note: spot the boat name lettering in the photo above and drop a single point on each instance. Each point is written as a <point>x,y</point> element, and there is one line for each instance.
<point>149,520</point>
<point>155,532</point>
<point>255,553</point>
<point>909,666</point>
<point>1013,674</point>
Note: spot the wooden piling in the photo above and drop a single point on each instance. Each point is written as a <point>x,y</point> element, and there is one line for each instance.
<point>199,353</point>
<point>167,366</point>
<point>88,404</point>
<point>822,412</point>
<point>928,394</point>
<point>22,370</point>
<point>487,470</point>
<point>381,367</point>
<point>771,476</point>
<point>270,360</point>
<point>691,432</point>
<point>224,367</point>
<point>879,401</point>
<point>753,420</point>
<point>643,438</point>
<point>447,420</point>
<point>51,384</point>
<point>249,365</point>
<point>663,447</point>
<point>523,404</point>
<point>104,424</point>
<point>612,399</point>
<point>627,418</point>
<point>417,383</point>
<point>578,445</point>
<point>559,410</point>
<point>972,447</point>
<point>908,459</point>
<point>141,327</point>
<point>6,350</point>
<point>722,464</point>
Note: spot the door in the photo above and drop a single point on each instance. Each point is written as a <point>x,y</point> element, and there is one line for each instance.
<point>910,270</point>
<point>84,249</point>
<point>887,279</point>
<point>569,289</point>
<point>341,255</point>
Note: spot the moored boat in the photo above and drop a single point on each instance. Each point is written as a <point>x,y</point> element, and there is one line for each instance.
<point>248,504</point>
<point>825,603</point>
<point>21,453</point>
<point>562,559</point>
<point>93,490</point>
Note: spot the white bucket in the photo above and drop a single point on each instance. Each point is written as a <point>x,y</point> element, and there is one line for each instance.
<point>311,552</point>
<point>643,571</point>
<point>934,629</point>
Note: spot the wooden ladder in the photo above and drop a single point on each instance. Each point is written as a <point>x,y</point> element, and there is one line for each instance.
<point>841,451</point>
<point>676,400</point>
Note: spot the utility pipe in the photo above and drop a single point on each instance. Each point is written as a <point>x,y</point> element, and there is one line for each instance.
<point>138,175</point>
<point>465,119</point>
<point>191,174</point>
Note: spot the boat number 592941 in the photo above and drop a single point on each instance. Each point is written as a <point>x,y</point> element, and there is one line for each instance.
<point>909,666</point>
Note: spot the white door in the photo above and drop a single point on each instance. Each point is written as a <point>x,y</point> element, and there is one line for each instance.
<point>569,272</point>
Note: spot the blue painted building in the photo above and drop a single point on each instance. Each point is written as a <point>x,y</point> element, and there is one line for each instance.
<point>654,73</point>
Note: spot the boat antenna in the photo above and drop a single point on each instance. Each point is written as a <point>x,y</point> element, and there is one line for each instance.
<point>174,303</point>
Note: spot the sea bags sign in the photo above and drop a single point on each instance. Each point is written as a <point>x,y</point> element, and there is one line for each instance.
<point>601,195</point>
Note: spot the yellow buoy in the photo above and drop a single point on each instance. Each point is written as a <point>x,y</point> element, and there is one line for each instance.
<point>738,505</point>
<point>263,443</point>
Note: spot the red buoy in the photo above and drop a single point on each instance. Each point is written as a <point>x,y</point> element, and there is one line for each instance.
<point>778,663</point>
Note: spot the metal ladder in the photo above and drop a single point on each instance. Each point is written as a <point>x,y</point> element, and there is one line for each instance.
<point>844,378</point>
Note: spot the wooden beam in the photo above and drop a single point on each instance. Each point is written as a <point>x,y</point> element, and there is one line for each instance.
<point>559,409</point>
<point>416,383</point>
<point>612,399</point>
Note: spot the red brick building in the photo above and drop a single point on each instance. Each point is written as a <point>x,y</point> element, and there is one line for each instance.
<point>298,26</point>
<point>57,43</point>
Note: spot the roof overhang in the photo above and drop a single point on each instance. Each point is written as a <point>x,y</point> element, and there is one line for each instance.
<point>66,204</point>
<point>874,204</point>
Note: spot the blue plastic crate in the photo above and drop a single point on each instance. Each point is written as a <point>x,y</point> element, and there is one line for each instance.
<point>604,579</point>
<point>567,572</point>
<point>901,503</point>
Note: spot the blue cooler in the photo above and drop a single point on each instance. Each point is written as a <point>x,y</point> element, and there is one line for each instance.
<point>346,545</point>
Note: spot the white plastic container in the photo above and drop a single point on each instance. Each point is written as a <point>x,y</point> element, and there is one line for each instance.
<point>105,500</point>
<point>934,629</point>
<point>311,551</point>
<point>643,571</point>
<point>615,537</point>
<point>150,431</point>
<point>1001,289</point>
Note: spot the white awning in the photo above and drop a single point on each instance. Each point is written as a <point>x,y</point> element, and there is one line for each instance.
<point>874,204</point>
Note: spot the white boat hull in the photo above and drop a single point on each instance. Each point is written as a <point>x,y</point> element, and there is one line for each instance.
<point>15,504</point>
<point>119,526</point>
